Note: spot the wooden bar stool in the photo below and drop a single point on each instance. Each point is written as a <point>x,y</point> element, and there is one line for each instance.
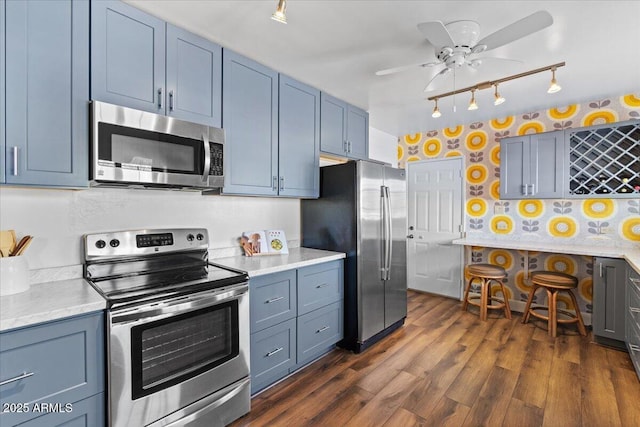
<point>486,273</point>
<point>554,283</point>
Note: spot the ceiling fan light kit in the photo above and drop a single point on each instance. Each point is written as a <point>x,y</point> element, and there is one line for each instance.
<point>498,99</point>
<point>279,14</point>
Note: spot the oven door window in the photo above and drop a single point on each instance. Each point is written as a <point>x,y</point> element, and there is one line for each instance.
<point>172,350</point>
<point>147,150</point>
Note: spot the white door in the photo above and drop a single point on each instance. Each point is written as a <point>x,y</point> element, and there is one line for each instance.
<point>435,203</point>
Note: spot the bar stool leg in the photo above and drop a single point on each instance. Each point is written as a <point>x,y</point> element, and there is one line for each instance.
<point>465,302</point>
<point>483,299</point>
<point>507,309</point>
<point>581,327</point>
<point>553,314</point>
<point>532,292</point>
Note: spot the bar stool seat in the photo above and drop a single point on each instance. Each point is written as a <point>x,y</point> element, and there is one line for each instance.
<point>486,273</point>
<point>553,283</point>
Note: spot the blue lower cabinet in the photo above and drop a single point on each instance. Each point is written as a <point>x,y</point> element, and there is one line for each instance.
<point>296,317</point>
<point>273,354</point>
<point>318,332</point>
<point>48,366</point>
<point>85,413</point>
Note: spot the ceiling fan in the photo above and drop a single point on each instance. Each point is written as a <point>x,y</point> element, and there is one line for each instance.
<point>456,43</point>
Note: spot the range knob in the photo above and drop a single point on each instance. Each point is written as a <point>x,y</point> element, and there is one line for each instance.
<point>114,243</point>
<point>100,244</point>
<point>190,237</point>
<point>200,236</point>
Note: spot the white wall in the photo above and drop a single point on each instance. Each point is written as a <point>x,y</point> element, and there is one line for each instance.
<point>383,147</point>
<point>59,218</point>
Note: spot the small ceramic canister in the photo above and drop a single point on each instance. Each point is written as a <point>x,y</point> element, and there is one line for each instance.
<point>14,275</point>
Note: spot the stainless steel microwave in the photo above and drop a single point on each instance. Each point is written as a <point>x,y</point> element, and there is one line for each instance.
<point>132,148</point>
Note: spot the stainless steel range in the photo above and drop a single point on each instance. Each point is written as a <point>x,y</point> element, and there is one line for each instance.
<point>178,329</point>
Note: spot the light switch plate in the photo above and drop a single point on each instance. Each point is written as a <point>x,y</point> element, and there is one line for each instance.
<point>606,230</point>
<point>498,209</point>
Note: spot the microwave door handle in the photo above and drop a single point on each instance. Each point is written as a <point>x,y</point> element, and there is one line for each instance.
<point>207,157</point>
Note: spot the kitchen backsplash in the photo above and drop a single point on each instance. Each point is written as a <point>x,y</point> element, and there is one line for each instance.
<point>59,218</point>
<point>569,219</point>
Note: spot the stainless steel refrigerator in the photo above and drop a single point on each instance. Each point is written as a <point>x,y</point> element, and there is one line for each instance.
<point>362,211</point>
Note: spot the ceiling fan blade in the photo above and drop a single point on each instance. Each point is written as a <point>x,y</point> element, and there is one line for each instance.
<point>442,72</point>
<point>525,26</point>
<point>436,33</point>
<point>497,59</point>
<point>405,67</point>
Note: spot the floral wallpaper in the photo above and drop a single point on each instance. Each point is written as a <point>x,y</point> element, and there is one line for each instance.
<point>598,220</point>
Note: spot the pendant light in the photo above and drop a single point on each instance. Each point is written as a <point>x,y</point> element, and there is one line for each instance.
<point>279,15</point>
<point>472,103</point>
<point>554,86</point>
<point>436,111</point>
<point>498,98</point>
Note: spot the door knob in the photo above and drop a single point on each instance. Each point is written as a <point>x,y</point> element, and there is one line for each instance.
<point>410,236</point>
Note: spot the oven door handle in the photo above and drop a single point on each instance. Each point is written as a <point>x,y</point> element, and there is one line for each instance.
<point>177,305</point>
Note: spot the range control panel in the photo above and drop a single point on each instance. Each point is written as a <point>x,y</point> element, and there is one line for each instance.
<point>143,242</point>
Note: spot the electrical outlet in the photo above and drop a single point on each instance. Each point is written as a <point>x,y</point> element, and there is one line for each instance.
<point>606,230</point>
<point>498,209</point>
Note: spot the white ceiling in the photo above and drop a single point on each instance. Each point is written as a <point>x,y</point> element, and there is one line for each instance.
<point>337,46</point>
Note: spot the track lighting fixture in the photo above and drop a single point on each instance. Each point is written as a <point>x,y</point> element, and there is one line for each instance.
<point>436,111</point>
<point>554,86</point>
<point>472,102</point>
<point>279,15</point>
<point>498,99</point>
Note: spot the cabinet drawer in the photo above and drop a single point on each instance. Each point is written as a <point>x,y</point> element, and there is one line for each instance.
<point>319,285</point>
<point>273,353</point>
<point>273,299</point>
<point>85,413</point>
<point>318,331</point>
<point>633,345</point>
<point>65,359</point>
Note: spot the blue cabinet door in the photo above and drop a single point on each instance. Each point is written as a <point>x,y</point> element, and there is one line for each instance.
<point>250,121</point>
<point>299,139</point>
<point>85,413</point>
<point>194,77</point>
<point>333,125</point>
<point>127,57</point>
<point>547,159</point>
<point>357,133</point>
<point>2,93</point>
<point>514,167</point>
<point>47,87</point>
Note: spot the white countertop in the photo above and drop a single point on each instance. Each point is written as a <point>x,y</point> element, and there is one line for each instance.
<point>267,264</point>
<point>589,248</point>
<point>44,302</point>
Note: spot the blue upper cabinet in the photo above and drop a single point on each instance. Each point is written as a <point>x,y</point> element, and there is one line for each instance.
<point>46,83</point>
<point>250,121</point>
<point>194,77</point>
<point>357,133</point>
<point>2,93</point>
<point>333,125</point>
<point>127,57</point>
<point>141,62</point>
<point>532,166</point>
<point>344,129</point>
<point>299,139</point>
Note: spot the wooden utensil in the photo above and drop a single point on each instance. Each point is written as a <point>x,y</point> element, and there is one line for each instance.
<point>13,241</point>
<point>6,241</point>
<point>22,246</point>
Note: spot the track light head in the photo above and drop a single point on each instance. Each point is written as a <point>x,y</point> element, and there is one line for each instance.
<point>472,102</point>
<point>499,99</point>
<point>436,111</point>
<point>554,86</point>
<point>279,15</point>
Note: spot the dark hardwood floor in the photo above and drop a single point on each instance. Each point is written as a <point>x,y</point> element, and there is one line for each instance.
<point>447,368</point>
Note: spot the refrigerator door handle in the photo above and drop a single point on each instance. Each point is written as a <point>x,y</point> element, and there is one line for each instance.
<point>386,218</point>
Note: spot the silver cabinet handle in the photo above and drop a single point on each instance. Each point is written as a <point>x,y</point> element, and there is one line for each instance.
<point>634,310</point>
<point>322,285</point>
<point>634,347</point>
<point>18,378</point>
<point>271,353</point>
<point>282,183</point>
<point>159,98</point>
<point>206,169</point>
<point>348,146</point>
<point>635,282</point>
<point>533,189</point>
<point>269,301</point>
<point>524,189</point>
<point>324,328</point>
<point>170,100</point>
<point>274,183</point>
<point>600,269</point>
<point>345,146</point>
<point>15,161</point>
